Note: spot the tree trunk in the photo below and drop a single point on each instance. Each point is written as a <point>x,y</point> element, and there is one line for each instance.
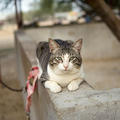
<point>107,15</point>
<point>18,13</point>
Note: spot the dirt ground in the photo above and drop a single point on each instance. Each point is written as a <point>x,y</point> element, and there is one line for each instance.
<point>11,103</point>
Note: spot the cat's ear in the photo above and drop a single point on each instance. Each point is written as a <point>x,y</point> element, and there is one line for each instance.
<point>77,45</point>
<point>53,45</point>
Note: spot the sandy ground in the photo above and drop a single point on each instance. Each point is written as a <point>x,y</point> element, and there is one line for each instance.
<point>11,103</point>
<point>7,37</point>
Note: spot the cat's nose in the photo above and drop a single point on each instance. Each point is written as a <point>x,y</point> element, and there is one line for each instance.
<point>66,67</point>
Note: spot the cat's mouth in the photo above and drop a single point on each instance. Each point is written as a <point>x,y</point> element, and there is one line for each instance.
<point>66,70</point>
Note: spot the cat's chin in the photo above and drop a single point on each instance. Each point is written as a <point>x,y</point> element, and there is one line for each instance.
<point>71,72</point>
<point>66,71</point>
<point>63,72</point>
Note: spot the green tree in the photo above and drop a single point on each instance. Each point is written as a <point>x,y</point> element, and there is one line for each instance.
<point>63,7</point>
<point>43,7</point>
<point>49,7</point>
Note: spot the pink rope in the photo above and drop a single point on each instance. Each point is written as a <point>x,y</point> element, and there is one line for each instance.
<point>33,74</point>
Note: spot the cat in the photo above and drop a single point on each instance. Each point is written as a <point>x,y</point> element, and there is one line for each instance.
<point>61,63</point>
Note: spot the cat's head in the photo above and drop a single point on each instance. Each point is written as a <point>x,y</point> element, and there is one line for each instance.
<point>65,56</point>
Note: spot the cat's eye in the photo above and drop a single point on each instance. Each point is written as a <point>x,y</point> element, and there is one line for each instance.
<point>59,58</point>
<point>72,58</point>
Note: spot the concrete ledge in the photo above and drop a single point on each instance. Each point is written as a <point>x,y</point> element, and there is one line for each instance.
<point>88,105</point>
<point>83,104</point>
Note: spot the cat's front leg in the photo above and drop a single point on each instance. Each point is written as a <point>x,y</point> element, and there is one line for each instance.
<point>74,85</point>
<point>53,86</point>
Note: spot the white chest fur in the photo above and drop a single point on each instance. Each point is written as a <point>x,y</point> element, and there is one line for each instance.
<point>65,79</point>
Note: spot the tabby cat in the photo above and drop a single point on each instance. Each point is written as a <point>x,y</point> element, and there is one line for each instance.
<point>61,64</point>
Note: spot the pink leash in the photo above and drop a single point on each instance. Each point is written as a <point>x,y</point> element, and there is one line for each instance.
<point>30,86</point>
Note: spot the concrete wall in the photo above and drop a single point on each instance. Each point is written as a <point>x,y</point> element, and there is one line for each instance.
<point>83,104</point>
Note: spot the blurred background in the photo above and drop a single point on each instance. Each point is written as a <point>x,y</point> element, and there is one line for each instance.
<point>22,14</point>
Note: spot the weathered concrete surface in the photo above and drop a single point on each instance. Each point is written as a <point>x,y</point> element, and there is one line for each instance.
<point>87,105</point>
<point>100,51</point>
<point>83,104</point>
<point>103,74</point>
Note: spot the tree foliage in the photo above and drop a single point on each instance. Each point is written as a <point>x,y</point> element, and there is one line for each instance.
<point>49,7</point>
<point>44,8</point>
<point>83,4</point>
<point>63,7</point>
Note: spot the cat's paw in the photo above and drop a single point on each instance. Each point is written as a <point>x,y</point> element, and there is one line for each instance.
<point>56,89</point>
<point>53,86</point>
<point>73,86</point>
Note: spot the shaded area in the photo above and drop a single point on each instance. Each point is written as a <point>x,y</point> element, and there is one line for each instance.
<point>11,103</point>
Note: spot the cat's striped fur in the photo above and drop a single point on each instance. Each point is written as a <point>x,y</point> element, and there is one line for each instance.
<point>61,63</point>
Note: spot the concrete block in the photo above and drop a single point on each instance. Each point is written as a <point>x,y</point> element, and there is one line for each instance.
<point>83,104</point>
